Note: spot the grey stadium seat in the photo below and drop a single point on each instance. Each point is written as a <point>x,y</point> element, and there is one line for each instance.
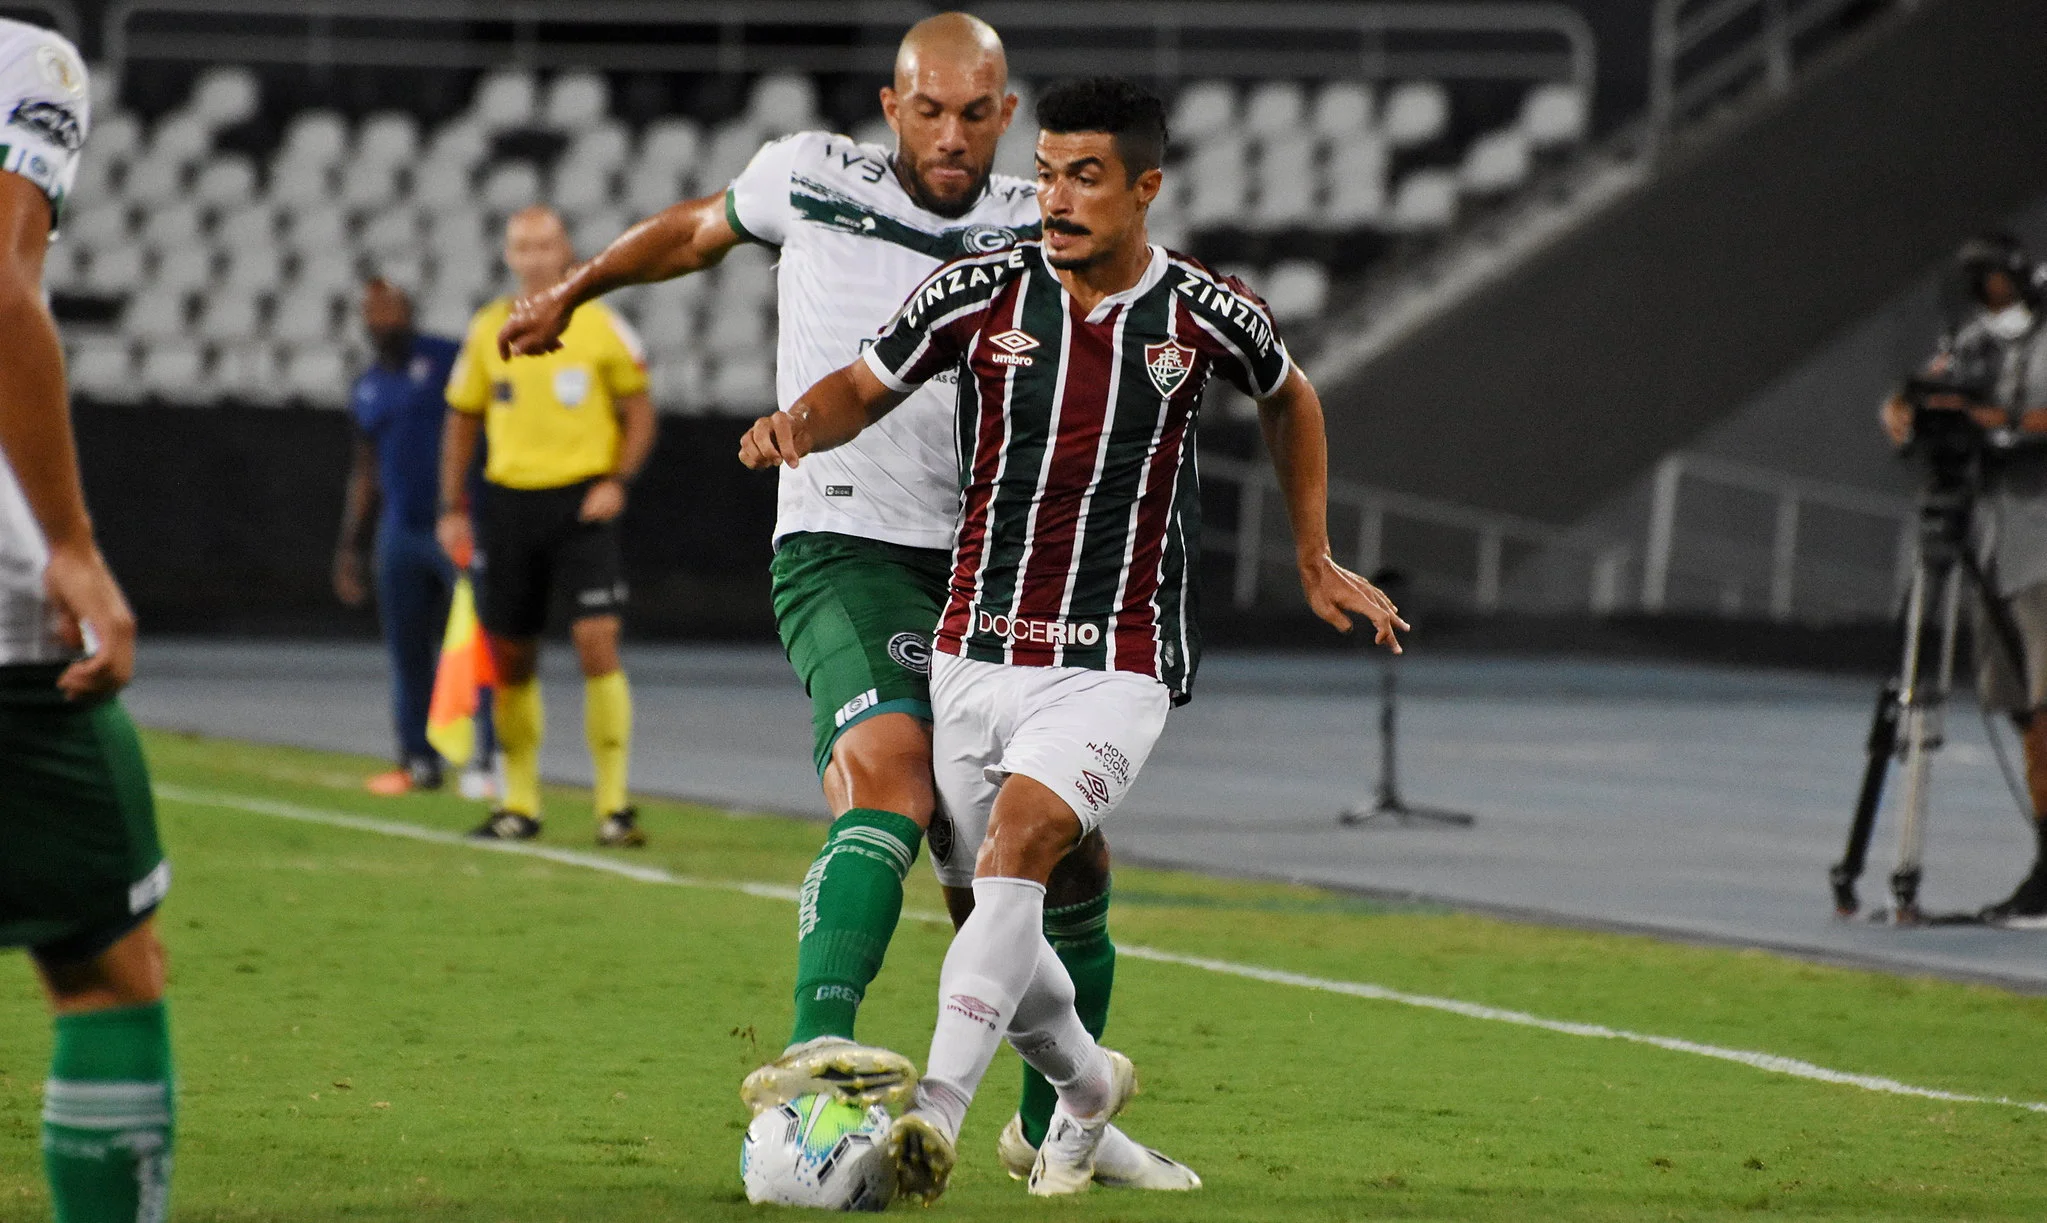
<point>317,374</point>
<point>1416,113</point>
<point>175,370</point>
<point>103,367</point>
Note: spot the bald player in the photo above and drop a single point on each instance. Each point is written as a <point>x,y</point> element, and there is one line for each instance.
<point>568,431</point>
<point>863,539</point>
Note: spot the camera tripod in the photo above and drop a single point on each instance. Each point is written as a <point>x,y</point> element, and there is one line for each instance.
<point>1388,805</point>
<point>1914,706</point>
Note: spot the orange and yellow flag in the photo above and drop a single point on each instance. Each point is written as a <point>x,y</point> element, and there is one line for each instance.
<point>465,670</point>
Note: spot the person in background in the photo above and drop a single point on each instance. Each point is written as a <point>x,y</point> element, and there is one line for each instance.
<point>393,482</point>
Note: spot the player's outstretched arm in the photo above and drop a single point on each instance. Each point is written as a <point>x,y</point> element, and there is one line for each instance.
<point>680,239</point>
<point>35,435</point>
<point>829,414</point>
<point>1291,419</point>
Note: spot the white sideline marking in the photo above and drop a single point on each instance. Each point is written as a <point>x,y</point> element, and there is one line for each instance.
<point>1769,1062</point>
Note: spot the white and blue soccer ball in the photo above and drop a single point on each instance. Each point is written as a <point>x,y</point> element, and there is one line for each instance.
<point>818,1151</point>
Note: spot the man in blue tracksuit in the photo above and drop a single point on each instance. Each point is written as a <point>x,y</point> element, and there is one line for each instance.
<point>398,406</point>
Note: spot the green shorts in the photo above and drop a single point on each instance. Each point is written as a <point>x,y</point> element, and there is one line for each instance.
<point>80,864</point>
<point>856,617</point>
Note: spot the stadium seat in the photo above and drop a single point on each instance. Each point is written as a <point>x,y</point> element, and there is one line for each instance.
<point>180,136</point>
<point>878,133</point>
<point>1496,162</point>
<point>63,267</point>
<point>672,143</point>
<point>175,370</point>
<point>737,331</point>
<point>1286,181</point>
<point>317,229</point>
<point>234,313</point>
<point>1296,290</point>
<point>732,146</point>
<point>575,101</point>
<point>505,101</point>
<point>303,315</point>
<point>1553,114</point>
<point>595,230</point>
<point>154,314</point>
<point>388,138</point>
<point>391,231</point>
<point>445,314</point>
<point>171,225</point>
<point>746,277</point>
<point>317,374</point>
<point>115,271</point>
<point>253,267</point>
<point>315,138</point>
<point>332,271</point>
<point>648,189</point>
<point>1417,112</point>
<point>668,312</point>
<point>677,383</point>
<point>227,181</point>
<point>1016,153</point>
<point>187,268</point>
<point>1426,200</point>
<point>225,96</point>
<point>443,184</point>
<point>1357,182</point>
<point>741,383</point>
<point>254,225</point>
<point>782,103</point>
<point>1342,109</point>
<point>100,224</point>
<point>603,144</point>
<point>455,229</point>
<point>1204,109</point>
<point>248,372</point>
<point>466,271</point>
<point>1219,181</point>
<point>103,368</point>
<point>406,270</point>
<point>462,144</point>
<point>368,185</point>
<point>300,181</point>
<point>509,186</point>
<point>154,179</point>
<point>1275,109</point>
<point>577,188</point>
<point>116,137</point>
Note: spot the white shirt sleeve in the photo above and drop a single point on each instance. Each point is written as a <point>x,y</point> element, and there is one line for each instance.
<point>757,202</point>
<point>44,109</point>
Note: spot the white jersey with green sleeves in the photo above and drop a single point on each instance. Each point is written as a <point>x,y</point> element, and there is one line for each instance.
<point>853,246</point>
<point>44,115</point>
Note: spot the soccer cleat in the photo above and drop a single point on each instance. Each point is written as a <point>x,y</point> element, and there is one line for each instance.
<point>621,830</point>
<point>2025,908</point>
<point>506,826</point>
<point>922,1157</point>
<point>1121,1162</point>
<point>416,774</point>
<point>1066,1160</point>
<point>833,1066</point>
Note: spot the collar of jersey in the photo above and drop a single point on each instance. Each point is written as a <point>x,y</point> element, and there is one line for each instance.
<point>1154,272</point>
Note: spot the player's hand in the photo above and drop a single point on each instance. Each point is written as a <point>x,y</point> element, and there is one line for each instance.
<point>1335,594</point>
<point>536,324</point>
<point>604,502</point>
<point>780,438</point>
<point>90,610</point>
<point>348,580</point>
<point>457,537</point>
<point>1897,421</point>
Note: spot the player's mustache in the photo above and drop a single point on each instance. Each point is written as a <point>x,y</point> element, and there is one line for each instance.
<point>1059,225</point>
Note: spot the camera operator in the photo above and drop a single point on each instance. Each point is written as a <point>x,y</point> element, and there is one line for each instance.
<point>1997,362</point>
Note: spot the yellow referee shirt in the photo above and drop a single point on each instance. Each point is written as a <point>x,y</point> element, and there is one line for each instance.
<point>550,420</point>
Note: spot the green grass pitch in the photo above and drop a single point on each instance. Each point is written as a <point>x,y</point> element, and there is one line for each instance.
<point>371,1028</point>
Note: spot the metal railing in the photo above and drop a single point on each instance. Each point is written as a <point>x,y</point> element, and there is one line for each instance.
<point>1542,40</point>
<point>1372,510</point>
<point>1792,498</point>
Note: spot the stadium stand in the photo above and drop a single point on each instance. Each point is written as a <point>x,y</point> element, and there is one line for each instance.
<point>225,216</point>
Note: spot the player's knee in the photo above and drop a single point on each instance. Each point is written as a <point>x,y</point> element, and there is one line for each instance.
<point>1082,874</point>
<point>1029,831</point>
<point>132,972</point>
<point>596,640</point>
<point>515,658</point>
<point>885,763</point>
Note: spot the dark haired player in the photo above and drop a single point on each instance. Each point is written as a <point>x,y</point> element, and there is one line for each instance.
<point>81,872</point>
<point>1068,631</point>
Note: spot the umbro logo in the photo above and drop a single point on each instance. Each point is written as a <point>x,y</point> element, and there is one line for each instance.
<point>1014,343</point>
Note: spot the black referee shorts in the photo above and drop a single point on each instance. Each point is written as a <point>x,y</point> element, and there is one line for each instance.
<point>535,548</point>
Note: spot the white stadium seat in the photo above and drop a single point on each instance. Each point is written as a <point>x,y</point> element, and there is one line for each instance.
<point>115,270</point>
<point>1357,181</point>
<point>668,314</point>
<point>234,313</point>
<point>225,96</point>
<point>575,100</point>
<point>391,231</point>
<point>677,383</point>
<point>116,136</point>
<point>595,230</point>
<point>154,314</point>
<point>333,271</point>
<point>648,188</point>
<point>317,229</point>
<point>1342,109</point>
<point>1220,181</point>
<point>154,180</point>
<point>105,223</point>
<point>1286,181</point>
<point>1417,112</point>
<point>317,374</point>
<point>300,181</point>
<point>739,383</point>
<point>877,132</point>
<point>407,270</point>
<point>1275,109</point>
<point>254,267</point>
<point>304,316</point>
<point>1496,162</point>
<point>672,143</point>
<point>1553,114</point>
<point>255,225</point>
<point>732,146</point>
<point>577,188</point>
<point>509,186</point>
<point>315,138</point>
<point>1295,290</point>
<point>445,314</point>
<point>171,225</point>
<point>248,372</point>
<point>174,370</point>
<point>226,181</point>
<point>739,330</point>
<point>443,184</point>
<point>388,138</point>
<point>186,269</point>
<point>455,229</point>
<point>1425,200</point>
<point>1016,153</point>
<point>1203,109</point>
<point>180,136</point>
<point>63,267</point>
<point>462,143</point>
<point>505,101</point>
<point>466,270</point>
<point>746,277</point>
<point>604,144</point>
<point>103,367</point>
<point>782,103</point>
<point>368,185</point>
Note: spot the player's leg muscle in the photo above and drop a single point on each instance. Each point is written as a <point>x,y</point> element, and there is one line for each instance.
<point>596,641</point>
<point>883,762</point>
<point>131,972</point>
<point>1029,831</point>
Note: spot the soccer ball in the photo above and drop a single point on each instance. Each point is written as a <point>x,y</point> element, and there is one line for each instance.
<point>818,1151</point>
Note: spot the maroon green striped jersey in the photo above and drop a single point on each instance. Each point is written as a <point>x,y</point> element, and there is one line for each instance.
<point>1079,537</point>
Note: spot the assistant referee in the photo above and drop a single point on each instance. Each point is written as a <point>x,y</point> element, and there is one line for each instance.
<point>568,430</point>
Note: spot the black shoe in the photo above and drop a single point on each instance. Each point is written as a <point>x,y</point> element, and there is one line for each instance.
<point>507,826</point>
<point>2025,907</point>
<point>621,830</point>
<point>424,772</point>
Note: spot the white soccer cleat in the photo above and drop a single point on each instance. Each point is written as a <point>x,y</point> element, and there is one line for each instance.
<point>1121,1162</point>
<point>922,1157</point>
<point>832,1066</point>
<point>1066,1162</point>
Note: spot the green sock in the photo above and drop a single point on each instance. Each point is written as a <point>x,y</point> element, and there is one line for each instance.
<point>1080,935</point>
<point>852,898</point>
<point>108,1117</point>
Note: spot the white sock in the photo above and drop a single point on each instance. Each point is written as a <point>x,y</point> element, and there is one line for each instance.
<point>1047,1032</point>
<point>987,971</point>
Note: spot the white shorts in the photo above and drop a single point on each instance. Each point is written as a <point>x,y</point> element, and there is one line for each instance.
<point>1083,733</point>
